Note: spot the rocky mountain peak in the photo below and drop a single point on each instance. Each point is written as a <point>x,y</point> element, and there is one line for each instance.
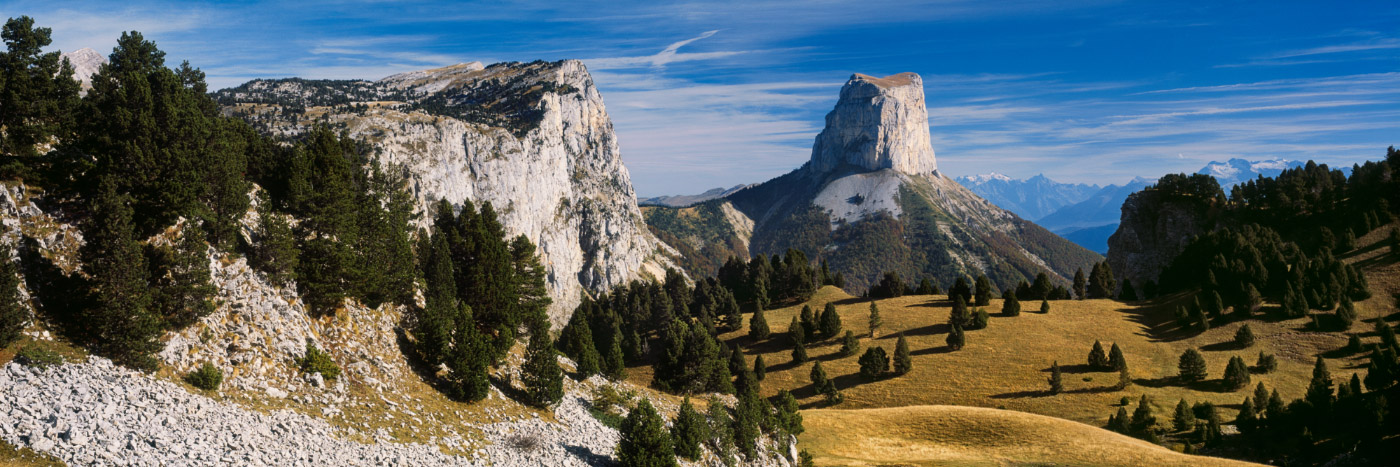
<point>878,123</point>
<point>85,63</point>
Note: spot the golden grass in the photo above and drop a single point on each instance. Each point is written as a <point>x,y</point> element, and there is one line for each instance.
<point>953,435</point>
<point>12,456</point>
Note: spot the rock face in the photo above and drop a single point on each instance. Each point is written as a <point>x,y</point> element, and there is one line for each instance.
<point>1152,232</point>
<point>85,63</point>
<point>879,123</point>
<point>534,140</point>
<point>871,200</point>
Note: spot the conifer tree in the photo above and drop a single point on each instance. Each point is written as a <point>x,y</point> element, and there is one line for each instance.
<point>817,375</point>
<point>1056,379</point>
<point>1010,306</point>
<point>849,344</point>
<point>1250,301</point>
<point>959,316</point>
<point>737,365</point>
<point>903,361</point>
<point>688,431</point>
<point>1119,422</point>
<point>529,282</point>
<point>1320,388</point>
<point>874,362</point>
<point>1115,358</point>
<point>1125,378</point>
<point>1183,419</point>
<point>125,326</point>
<point>1128,294</point>
<point>1143,420</point>
<point>926,287</point>
<point>758,325</point>
<point>749,413</point>
<point>729,310</point>
<point>1098,360</point>
<point>611,363</point>
<point>1244,337</point>
<point>40,93</point>
<point>435,321</point>
<point>644,441</point>
<point>1080,284</point>
<point>980,319</point>
<point>469,359</point>
<point>960,289</point>
<point>182,293</point>
<point>721,430</point>
<point>1261,398</point>
<point>809,323</point>
<point>544,380</point>
<point>1247,420</point>
<point>983,294</point>
<point>799,352</point>
<point>1044,306</point>
<point>1346,313</point>
<point>1191,367</point>
<point>760,369</point>
<point>12,313</point>
<point>276,252</point>
<point>1236,374</point>
<point>830,322</point>
<point>1266,363</point>
<point>786,413</point>
<point>875,321</point>
<point>830,394</point>
<point>956,339</point>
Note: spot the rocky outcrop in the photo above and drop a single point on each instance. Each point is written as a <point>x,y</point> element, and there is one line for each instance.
<point>85,63</point>
<point>1152,231</point>
<point>534,140</point>
<point>879,123</point>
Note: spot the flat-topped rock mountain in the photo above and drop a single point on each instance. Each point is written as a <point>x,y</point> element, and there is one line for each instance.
<point>533,139</point>
<point>871,200</point>
<point>878,123</point>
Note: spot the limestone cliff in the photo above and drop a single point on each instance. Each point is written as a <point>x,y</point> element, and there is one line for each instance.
<point>871,200</point>
<point>1154,229</point>
<point>533,139</point>
<point>878,123</point>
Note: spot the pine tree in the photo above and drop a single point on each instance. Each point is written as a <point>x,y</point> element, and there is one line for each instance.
<point>1320,388</point>
<point>849,344</point>
<point>874,363</point>
<point>1080,284</point>
<point>1250,301</point>
<point>469,359</point>
<point>688,431</point>
<point>817,375</point>
<point>644,441</point>
<point>1128,294</point>
<point>1214,306</point>
<point>799,352</point>
<point>831,394</point>
<point>1236,374</point>
<point>956,339</point>
<point>40,93</point>
<point>1266,363</point>
<point>758,326</point>
<point>926,287</point>
<point>830,322</point>
<point>13,315</point>
<point>983,294</point>
<point>529,281</point>
<point>182,293</point>
<point>276,252</point>
<point>1191,366</point>
<point>1183,419</point>
<point>1116,359</point>
<point>903,362</point>
<point>435,320</point>
<point>1098,360</point>
<point>809,323</point>
<point>612,364</point>
<point>875,321</point>
<point>721,430</point>
<point>1346,313</point>
<point>1119,421</point>
<point>788,418</point>
<point>544,380</point>
<point>749,413</point>
<point>125,325</point>
<point>1056,379</point>
<point>1143,420</point>
<point>1247,420</point>
<point>1244,337</point>
<point>760,369</point>
<point>1044,306</point>
<point>959,315</point>
<point>1010,306</point>
<point>1125,378</point>
<point>960,289</point>
<point>980,319</point>
<point>737,365</point>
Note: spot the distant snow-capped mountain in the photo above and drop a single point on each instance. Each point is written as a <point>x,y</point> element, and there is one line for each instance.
<point>1032,198</point>
<point>1236,171</point>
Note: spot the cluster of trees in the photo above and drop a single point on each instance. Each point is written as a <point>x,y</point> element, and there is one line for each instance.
<point>646,441</point>
<point>782,280</point>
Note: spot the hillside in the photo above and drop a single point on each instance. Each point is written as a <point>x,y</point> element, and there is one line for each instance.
<point>952,435</point>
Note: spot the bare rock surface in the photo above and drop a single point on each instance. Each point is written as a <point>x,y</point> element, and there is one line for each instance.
<point>878,123</point>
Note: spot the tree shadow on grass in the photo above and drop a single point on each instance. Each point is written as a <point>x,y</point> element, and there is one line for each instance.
<point>1077,369</point>
<point>930,330</point>
<point>932,350</point>
<point>1022,394</point>
<point>588,456</point>
<point>1221,346</point>
<point>1094,390</point>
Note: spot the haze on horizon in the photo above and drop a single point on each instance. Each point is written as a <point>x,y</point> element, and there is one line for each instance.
<point>715,94</point>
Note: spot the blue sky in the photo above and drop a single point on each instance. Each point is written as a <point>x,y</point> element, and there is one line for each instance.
<point>707,94</point>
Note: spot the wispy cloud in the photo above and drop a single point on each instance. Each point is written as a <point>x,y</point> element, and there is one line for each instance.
<point>659,60</point>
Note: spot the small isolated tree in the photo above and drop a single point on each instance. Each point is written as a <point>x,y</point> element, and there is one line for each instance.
<point>1143,420</point>
<point>983,294</point>
<point>875,321</point>
<point>799,352</point>
<point>1346,313</point>
<point>849,344</point>
<point>1266,363</point>
<point>980,319</point>
<point>956,339</point>
<point>959,315</point>
<point>1056,380</point>
<point>1116,359</point>
<point>758,325</point>
<point>903,362</point>
<point>831,394</point>
<point>1125,378</point>
<point>1010,306</point>
<point>760,369</point>
<point>1236,374</point>
<point>1191,367</point>
<point>809,323</point>
<point>544,380</point>
<point>1183,419</point>
<point>829,324</point>
<point>645,442</point>
<point>874,362</point>
<point>1080,283</point>
<point>1098,359</point>
<point>1244,337</point>
<point>688,431</point>
<point>817,375</point>
<point>1044,306</point>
